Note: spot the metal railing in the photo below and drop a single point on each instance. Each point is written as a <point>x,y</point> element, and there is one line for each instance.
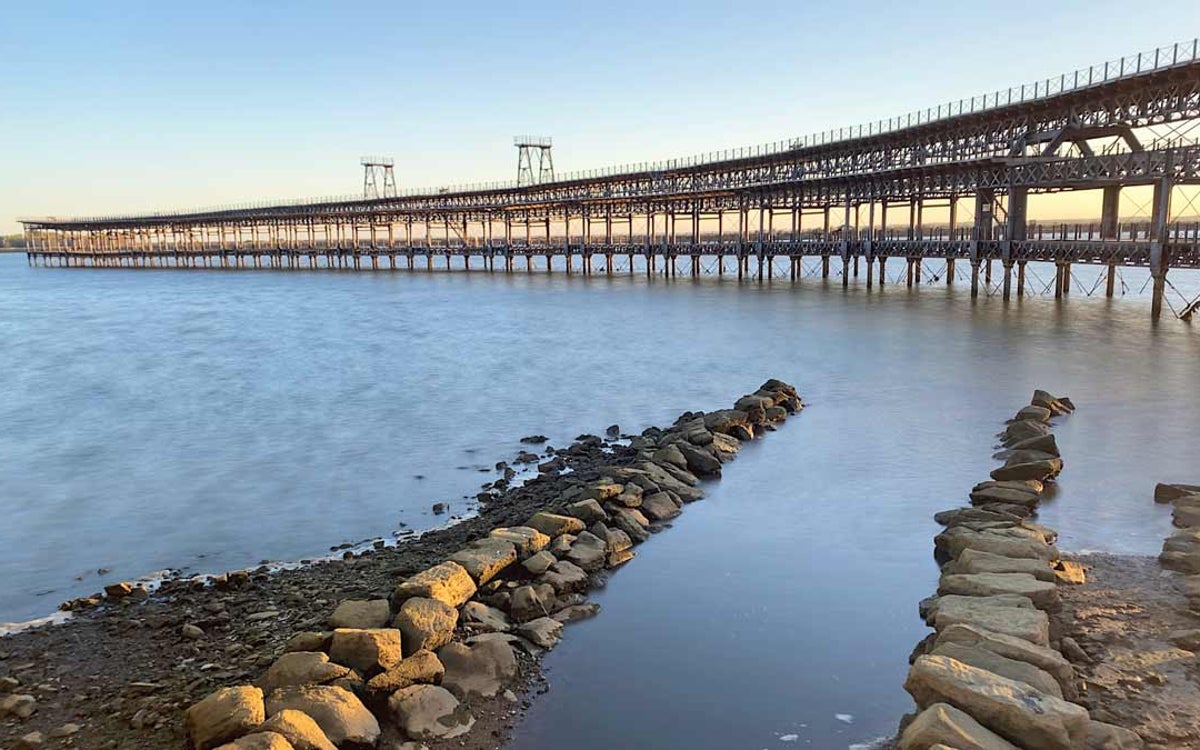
<point>1160,58</point>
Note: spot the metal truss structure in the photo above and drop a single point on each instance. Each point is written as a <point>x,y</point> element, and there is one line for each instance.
<point>1122,125</point>
<point>527,145</point>
<point>379,177</point>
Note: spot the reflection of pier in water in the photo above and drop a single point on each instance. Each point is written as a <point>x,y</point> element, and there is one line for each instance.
<point>860,195</point>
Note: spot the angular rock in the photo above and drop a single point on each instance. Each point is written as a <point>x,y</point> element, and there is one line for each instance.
<point>481,669</point>
<point>1025,429</point>
<point>1072,573</point>
<point>300,668</point>
<point>544,631</point>
<point>425,624</point>
<point>1181,551</point>
<point>482,618</point>
<point>625,520</point>
<point>1044,658</point>
<point>588,552</point>
<point>978,561</point>
<point>1043,594</point>
<point>1004,542</point>
<point>366,651</point>
<point>553,524</point>
<point>1101,736</point>
<point>361,614</point>
<point>995,614</point>
<point>601,491</point>
<point>944,724</point>
<point>1014,710</point>
<point>18,705</point>
<point>299,729</point>
<point>1168,493</point>
<point>1042,443</point>
<point>577,612</point>
<point>1039,470</point>
<point>1013,669</point>
<point>259,741</point>
<point>526,540</point>
<point>565,577</point>
<point>223,716</point>
<point>484,559</point>
<point>699,461</point>
<point>539,563</point>
<point>340,714</point>
<point>670,454</point>
<point>1035,413</point>
<point>309,640</point>
<point>588,511</point>
<point>531,602</point>
<point>429,712</point>
<point>423,667</point>
<point>659,507</point>
<point>448,582</point>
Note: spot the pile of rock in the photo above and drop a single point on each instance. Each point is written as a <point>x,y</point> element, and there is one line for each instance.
<point>1181,550</point>
<point>992,676</point>
<point>408,667</point>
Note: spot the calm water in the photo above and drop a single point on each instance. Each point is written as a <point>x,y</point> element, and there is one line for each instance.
<point>207,420</point>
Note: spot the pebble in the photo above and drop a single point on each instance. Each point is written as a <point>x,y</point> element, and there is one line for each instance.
<point>191,632</point>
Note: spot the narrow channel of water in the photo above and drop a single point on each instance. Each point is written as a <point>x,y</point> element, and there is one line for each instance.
<point>207,420</point>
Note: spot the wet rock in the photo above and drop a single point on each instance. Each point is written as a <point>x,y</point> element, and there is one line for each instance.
<point>1012,456</point>
<point>18,706</point>
<point>565,577</point>
<point>1053,403</point>
<point>259,741</point>
<point>553,524</point>
<point>482,618</point>
<point>423,667</point>
<point>1043,594</point>
<point>619,557</point>
<point>1025,429</point>
<point>361,614</point>
<point>223,716</point>
<point>481,669</point>
<point>340,714</point>
<point>588,552</point>
<point>1046,659</point>
<point>366,651</point>
<point>670,454</point>
<point>539,563</point>
<point>299,729</point>
<point>943,724</point>
<point>531,602</point>
<point>588,511</point>
<point>310,640</point>
<point>659,507</point>
<point>577,612</point>
<point>429,712</point>
<point>1041,443</point>
<point>534,439</point>
<point>300,668</point>
<point>1013,669</point>
<point>1014,710</point>
<point>625,520</point>
<point>1039,470</point>
<point>526,540</point>
<point>448,582</point>
<point>1034,413</point>
<point>1169,493</point>
<point>426,624</point>
<point>700,462</point>
<point>544,631</point>
<point>484,559</point>
<point>1101,736</point>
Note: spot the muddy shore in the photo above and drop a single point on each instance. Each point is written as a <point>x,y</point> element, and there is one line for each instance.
<point>120,676</point>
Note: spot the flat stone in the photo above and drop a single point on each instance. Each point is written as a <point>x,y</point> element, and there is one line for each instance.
<point>544,631</point>
<point>1043,594</point>
<point>589,511</point>
<point>978,561</point>
<point>429,712</point>
<point>259,741</point>
<point>944,724</point>
<point>425,624</point>
<point>1003,542</point>
<point>1039,470</point>
<point>299,729</point>
<point>1020,622</point>
<point>481,669</point>
<point>1013,669</point>
<point>423,667</point>
<point>553,524</point>
<point>526,540</point>
<point>301,668</point>
<point>1181,551</point>
<point>448,582</point>
<point>987,495</point>
<point>361,614</point>
<point>1042,443</point>
<point>1168,493</point>
<point>539,563</point>
<point>340,714</point>
<point>1011,709</point>
<point>366,651</point>
<point>1035,413</point>
<point>482,618</point>
<point>670,454</point>
<point>588,551</point>
<point>1044,658</point>
<point>484,559</point>
<point>223,716</point>
<point>1024,429</point>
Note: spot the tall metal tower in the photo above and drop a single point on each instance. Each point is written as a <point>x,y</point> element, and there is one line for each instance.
<point>379,180</point>
<point>526,145</point>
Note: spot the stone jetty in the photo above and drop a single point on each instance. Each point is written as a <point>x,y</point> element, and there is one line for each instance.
<point>993,674</point>
<point>404,670</point>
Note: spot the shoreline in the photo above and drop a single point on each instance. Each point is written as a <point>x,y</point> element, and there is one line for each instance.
<point>121,675</point>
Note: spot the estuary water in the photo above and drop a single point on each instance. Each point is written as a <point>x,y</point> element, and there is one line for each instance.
<point>207,420</point>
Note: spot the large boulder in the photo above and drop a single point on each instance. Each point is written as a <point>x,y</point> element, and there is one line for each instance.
<point>589,511</point>
<point>366,651</point>
<point>1035,413</point>
<point>340,714</point>
<point>301,668</point>
<point>670,454</point>
<point>1101,736</point>
<point>484,558</point>
<point>530,602</point>
<point>1012,709</point>
<point>448,582</point>
<point>361,614</point>
<point>553,524</point>
<point>543,632</point>
<point>1010,615</point>
<point>223,716</point>
<point>527,541</point>
<point>978,561</point>
<point>425,624</point>
<point>1039,470</point>
<point>1011,542</point>
<point>429,712</point>
<point>659,507</point>
<point>699,461</point>
<point>946,725</point>
<point>991,661</point>
<point>1024,429</point>
<point>299,729</point>
<point>1181,551</point>
<point>730,422</point>
<point>481,618</point>
<point>482,669</point>
<point>423,667</point>
<point>259,741</point>
<point>625,520</point>
<point>565,577</point>
<point>1168,493</point>
<point>1042,443</point>
<point>1043,594</point>
<point>588,551</point>
<point>1044,658</point>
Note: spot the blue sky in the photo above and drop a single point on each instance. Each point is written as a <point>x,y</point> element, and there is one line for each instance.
<point>126,106</point>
